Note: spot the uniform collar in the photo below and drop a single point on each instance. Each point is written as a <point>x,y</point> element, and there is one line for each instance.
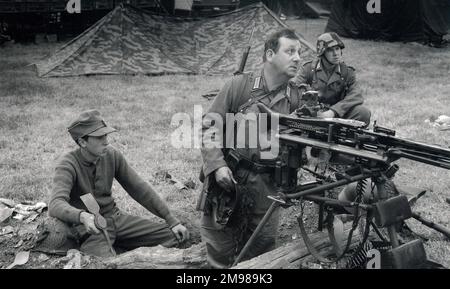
<point>276,96</point>
<point>84,160</point>
<point>263,84</point>
<point>319,66</point>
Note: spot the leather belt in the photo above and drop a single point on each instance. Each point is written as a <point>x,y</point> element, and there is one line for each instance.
<point>236,161</point>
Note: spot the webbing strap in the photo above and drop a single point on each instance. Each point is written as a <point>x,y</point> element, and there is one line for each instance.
<point>250,94</point>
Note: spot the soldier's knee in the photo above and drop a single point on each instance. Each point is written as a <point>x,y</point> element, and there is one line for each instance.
<point>365,114</point>
<point>361,113</point>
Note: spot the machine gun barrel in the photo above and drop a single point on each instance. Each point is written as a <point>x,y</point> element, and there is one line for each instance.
<point>332,147</point>
<point>402,148</point>
<point>350,137</point>
<point>437,161</point>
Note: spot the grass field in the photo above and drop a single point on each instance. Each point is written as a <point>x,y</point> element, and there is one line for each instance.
<point>403,85</point>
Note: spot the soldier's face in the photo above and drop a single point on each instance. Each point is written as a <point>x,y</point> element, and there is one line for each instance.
<point>287,58</point>
<point>333,54</point>
<point>95,145</point>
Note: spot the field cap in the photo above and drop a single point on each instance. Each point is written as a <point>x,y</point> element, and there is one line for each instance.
<point>89,123</point>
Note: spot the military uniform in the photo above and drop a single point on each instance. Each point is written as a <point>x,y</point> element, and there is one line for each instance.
<point>241,95</point>
<point>337,88</point>
<point>76,176</point>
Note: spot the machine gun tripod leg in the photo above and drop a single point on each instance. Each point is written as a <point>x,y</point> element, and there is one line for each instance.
<point>255,233</point>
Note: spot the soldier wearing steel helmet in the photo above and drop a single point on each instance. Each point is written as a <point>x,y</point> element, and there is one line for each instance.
<point>334,80</point>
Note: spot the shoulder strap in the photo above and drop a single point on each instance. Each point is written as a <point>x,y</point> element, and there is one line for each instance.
<point>250,94</point>
<point>310,71</point>
<point>294,97</point>
<point>243,92</point>
<point>344,71</point>
<point>344,74</point>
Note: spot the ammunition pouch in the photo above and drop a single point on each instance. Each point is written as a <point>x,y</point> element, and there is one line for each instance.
<point>392,211</point>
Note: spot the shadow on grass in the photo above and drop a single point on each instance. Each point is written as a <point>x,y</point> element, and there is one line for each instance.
<point>23,91</point>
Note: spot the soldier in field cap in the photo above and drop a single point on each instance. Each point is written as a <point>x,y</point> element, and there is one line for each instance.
<point>91,169</point>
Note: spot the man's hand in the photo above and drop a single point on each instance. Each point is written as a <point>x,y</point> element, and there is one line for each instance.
<point>88,221</point>
<point>181,233</point>
<point>224,177</point>
<point>326,114</point>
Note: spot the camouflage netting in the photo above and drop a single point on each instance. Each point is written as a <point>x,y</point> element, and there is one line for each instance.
<point>133,41</point>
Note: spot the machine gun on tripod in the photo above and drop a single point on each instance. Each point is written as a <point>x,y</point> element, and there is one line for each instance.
<point>372,155</point>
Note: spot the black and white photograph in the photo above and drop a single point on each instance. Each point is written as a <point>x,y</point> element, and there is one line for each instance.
<point>225,134</point>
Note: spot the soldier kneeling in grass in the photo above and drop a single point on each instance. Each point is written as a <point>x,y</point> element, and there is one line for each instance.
<point>82,198</point>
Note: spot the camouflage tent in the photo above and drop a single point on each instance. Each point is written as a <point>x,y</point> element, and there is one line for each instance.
<point>133,41</point>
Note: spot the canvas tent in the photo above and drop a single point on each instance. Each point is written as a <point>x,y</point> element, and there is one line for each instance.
<point>398,20</point>
<point>318,8</point>
<point>132,41</point>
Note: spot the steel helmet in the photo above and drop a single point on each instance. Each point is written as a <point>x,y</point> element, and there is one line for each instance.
<point>327,40</point>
